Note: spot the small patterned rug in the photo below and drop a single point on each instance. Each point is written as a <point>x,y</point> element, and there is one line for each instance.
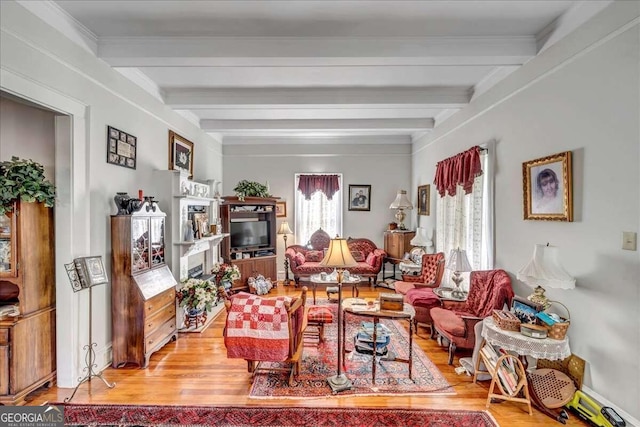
<point>319,363</point>
<point>233,416</point>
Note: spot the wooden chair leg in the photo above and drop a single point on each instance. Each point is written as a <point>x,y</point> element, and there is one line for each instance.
<point>452,349</point>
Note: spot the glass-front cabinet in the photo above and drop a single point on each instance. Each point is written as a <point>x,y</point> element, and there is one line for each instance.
<point>8,244</point>
<point>147,239</point>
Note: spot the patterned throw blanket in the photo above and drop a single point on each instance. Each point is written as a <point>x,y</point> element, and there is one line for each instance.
<point>257,328</point>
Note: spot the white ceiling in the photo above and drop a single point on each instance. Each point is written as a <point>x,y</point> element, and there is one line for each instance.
<point>298,68</point>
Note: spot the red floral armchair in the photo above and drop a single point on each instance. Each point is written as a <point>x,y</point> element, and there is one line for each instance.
<point>489,290</point>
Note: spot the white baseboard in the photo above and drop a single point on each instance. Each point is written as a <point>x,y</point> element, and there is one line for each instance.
<point>631,421</point>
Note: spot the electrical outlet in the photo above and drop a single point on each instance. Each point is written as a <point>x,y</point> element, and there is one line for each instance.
<point>629,240</point>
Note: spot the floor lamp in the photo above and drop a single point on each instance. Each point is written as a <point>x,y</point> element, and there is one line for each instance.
<point>339,256</point>
<point>284,230</point>
<point>87,272</point>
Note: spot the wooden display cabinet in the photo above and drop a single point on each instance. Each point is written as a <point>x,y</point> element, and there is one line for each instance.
<point>256,259</point>
<point>143,302</point>
<point>397,243</point>
<point>27,301</point>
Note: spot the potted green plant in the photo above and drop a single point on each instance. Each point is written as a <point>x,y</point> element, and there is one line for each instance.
<point>251,189</point>
<point>24,180</point>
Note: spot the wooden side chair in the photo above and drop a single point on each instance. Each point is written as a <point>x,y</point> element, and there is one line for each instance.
<point>260,329</point>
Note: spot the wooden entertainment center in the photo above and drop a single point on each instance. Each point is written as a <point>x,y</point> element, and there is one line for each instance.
<point>254,257</point>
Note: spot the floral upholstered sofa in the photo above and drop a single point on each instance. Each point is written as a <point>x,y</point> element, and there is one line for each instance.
<point>305,260</point>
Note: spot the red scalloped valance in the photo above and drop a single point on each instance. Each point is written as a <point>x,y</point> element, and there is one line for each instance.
<point>309,184</point>
<point>460,169</point>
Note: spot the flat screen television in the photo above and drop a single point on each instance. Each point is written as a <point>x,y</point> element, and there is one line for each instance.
<point>249,233</point>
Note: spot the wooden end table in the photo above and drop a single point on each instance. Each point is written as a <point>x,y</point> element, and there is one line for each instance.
<point>355,307</point>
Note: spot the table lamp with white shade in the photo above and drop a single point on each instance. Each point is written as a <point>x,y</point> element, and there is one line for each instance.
<point>401,203</point>
<point>284,230</point>
<point>458,262</point>
<point>545,270</point>
<point>339,256</point>
<point>421,240</point>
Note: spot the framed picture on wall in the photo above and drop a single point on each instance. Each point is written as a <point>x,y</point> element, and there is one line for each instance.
<point>547,188</point>
<point>281,209</point>
<point>423,199</point>
<point>180,153</point>
<point>121,148</point>
<point>359,197</point>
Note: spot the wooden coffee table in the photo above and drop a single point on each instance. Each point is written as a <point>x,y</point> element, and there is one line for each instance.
<point>355,307</point>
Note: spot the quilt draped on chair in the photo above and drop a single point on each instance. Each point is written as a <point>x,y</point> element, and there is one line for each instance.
<point>257,328</point>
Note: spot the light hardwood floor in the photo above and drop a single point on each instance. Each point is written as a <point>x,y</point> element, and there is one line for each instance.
<point>195,371</point>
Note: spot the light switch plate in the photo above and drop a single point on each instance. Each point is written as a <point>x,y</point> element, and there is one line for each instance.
<point>629,240</point>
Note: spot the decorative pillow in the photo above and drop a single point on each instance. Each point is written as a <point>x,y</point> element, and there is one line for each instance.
<point>314,256</point>
<point>299,257</point>
<point>358,256</point>
<point>371,259</point>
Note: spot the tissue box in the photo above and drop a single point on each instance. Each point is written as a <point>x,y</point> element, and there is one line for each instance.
<point>389,301</point>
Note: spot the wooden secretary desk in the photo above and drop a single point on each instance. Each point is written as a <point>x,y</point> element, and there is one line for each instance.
<point>143,301</point>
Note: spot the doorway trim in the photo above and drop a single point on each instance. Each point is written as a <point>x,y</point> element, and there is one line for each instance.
<point>72,213</point>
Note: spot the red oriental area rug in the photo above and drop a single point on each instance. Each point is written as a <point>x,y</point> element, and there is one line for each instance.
<point>102,415</point>
<point>319,363</point>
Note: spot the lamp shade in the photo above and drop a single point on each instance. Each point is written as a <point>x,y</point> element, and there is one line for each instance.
<point>401,201</point>
<point>458,260</point>
<point>284,228</point>
<point>421,239</point>
<point>545,270</point>
<point>338,255</point>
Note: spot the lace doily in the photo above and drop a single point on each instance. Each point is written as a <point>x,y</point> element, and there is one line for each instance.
<point>545,348</point>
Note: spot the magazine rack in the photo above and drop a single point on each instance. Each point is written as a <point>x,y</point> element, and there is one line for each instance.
<point>507,374</point>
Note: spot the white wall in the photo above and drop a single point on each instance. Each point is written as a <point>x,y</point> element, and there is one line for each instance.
<point>581,96</point>
<point>382,162</point>
<point>51,67</point>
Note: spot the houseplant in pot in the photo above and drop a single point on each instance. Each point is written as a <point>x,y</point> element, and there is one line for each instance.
<point>251,189</point>
<point>24,180</point>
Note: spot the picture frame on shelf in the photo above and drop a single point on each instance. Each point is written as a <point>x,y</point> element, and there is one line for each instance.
<point>180,153</point>
<point>424,195</point>
<point>281,209</point>
<point>359,197</point>
<point>121,148</point>
<point>524,309</point>
<point>547,188</point>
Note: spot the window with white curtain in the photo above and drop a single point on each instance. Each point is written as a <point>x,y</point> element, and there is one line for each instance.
<point>318,212</point>
<point>465,221</point>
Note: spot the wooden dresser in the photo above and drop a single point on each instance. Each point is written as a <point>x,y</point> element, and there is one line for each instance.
<point>396,244</point>
<point>27,284</point>
<point>143,302</point>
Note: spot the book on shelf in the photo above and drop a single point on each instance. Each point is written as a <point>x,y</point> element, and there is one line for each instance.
<point>507,382</point>
<point>366,347</point>
<point>85,272</point>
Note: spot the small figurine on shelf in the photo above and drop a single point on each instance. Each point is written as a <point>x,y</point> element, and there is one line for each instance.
<point>188,231</point>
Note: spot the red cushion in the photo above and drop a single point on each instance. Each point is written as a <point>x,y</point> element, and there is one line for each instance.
<point>320,315</point>
<point>358,256</point>
<point>314,256</point>
<point>448,321</point>
<point>371,259</point>
<point>300,259</point>
<point>422,297</point>
<point>403,287</point>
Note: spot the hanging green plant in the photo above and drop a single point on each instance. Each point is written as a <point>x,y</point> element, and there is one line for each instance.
<point>24,180</point>
<point>251,189</point>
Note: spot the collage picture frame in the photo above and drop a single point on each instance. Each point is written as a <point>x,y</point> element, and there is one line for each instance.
<point>122,148</point>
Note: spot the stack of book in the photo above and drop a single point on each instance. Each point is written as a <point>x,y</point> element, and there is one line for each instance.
<point>363,341</point>
<point>506,371</point>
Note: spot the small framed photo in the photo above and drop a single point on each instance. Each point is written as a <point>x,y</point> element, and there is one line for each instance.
<point>180,153</point>
<point>424,194</point>
<point>281,209</point>
<point>121,148</point>
<point>359,197</point>
<point>547,188</point>
<point>524,309</point>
